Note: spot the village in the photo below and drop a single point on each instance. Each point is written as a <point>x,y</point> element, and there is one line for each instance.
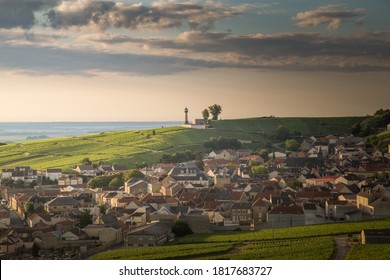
<point>326,180</point>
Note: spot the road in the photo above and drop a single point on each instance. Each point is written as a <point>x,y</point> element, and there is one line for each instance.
<point>342,248</point>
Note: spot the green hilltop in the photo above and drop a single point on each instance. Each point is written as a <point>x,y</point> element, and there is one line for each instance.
<point>134,147</point>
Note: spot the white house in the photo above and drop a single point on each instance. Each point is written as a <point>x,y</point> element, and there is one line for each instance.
<point>53,174</point>
<point>277,155</point>
<point>212,155</point>
<point>87,170</point>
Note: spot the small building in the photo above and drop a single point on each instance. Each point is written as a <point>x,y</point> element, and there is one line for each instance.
<point>9,243</point>
<point>286,216</point>
<point>136,187</point>
<point>241,213</point>
<point>61,204</point>
<point>70,181</point>
<point>149,236</point>
<point>23,173</point>
<point>336,209</point>
<point>375,236</point>
<point>189,173</point>
<point>87,170</point>
<point>53,174</point>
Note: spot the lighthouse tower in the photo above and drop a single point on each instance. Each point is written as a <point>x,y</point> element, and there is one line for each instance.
<point>186,116</point>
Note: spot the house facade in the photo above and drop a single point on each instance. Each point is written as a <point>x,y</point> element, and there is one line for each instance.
<point>53,174</point>
<point>189,173</point>
<point>286,216</point>
<point>149,236</point>
<point>61,204</point>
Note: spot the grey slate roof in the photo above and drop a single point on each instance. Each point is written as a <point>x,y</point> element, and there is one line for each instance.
<point>63,200</point>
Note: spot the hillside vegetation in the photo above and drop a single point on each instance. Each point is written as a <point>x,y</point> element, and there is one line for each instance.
<point>297,243</point>
<point>134,147</point>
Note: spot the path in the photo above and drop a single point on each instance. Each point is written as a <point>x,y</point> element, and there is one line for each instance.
<point>342,248</point>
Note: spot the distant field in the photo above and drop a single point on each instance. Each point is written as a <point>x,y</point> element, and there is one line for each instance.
<point>297,243</point>
<point>134,147</point>
<point>305,126</point>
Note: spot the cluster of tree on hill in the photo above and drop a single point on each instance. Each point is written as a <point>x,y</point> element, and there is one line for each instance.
<point>213,110</point>
<point>379,141</point>
<point>221,143</point>
<point>115,181</point>
<point>372,124</point>
<point>178,157</point>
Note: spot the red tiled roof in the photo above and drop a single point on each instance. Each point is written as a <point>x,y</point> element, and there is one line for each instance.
<point>323,179</point>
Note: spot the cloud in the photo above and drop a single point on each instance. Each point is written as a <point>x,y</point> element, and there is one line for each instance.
<point>108,14</point>
<point>46,60</point>
<point>367,51</point>
<point>362,52</point>
<point>20,13</point>
<point>332,15</point>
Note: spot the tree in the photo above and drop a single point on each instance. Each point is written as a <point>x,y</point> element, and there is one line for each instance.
<point>33,184</point>
<point>116,183</point>
<point>98,182</point>
<point>86,161</point>
<point>264,154</point>
<point>296,185</point>
<point>356,129</point>
<point>19,183</point>
<point>291,145</point>
<point>29,207</point>
<point>133,174</point>
<point>102,208</point>
<point>206,116</point>
<point>181,228</point>
<point>282,132</point>
<point>259,169</point>
<point>215,110</point>
<point>85,218</point>
<point>35,250</point>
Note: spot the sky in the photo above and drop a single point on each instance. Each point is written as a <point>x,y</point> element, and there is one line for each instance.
<point>88,60</point>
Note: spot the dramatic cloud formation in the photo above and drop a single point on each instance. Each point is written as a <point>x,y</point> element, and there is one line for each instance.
<point>332,15</point>
<point>364,52</point>
<point>107,14</point>
<point>20,13</point>
<point>45,60</point>
<point>59,50</point>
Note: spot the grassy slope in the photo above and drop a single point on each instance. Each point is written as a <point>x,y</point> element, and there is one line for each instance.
<point>369,252</point>
<point>133,147</point>
<point>305,242</point>
<point>306,126</point>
